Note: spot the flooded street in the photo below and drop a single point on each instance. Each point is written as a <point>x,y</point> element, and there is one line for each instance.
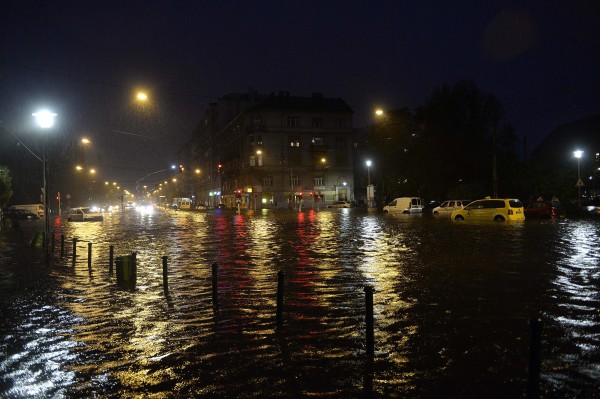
<point>452,306</point>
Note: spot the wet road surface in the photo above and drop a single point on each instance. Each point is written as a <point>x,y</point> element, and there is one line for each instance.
<point>452,307</point>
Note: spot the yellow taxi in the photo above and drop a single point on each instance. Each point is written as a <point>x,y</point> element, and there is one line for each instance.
<point>496,209</point>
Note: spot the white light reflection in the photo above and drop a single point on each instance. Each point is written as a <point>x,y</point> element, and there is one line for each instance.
<point>577,291</point>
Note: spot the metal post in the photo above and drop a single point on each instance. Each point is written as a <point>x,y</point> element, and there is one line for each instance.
<point>53,241</point>
<point>533,383</point>
<point>280,286</point>
<point>90,256</point>
<point>369,321</point>
<point>111,252</point>
<point>62,245</point>
<point>165,274</point>
<point>215,283</point>
<point>74,249</point>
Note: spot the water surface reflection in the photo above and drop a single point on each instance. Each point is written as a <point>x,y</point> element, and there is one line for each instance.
<point>452,304</point>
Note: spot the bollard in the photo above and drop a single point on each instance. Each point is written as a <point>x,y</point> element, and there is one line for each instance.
<point>74,249</point>
<point>127,271</point>
<point>90,256</point>
<point>215,283</point>
<point>533,383</point>
<point>369,320</point>
<point>165,275</point>
<point>62,245</point>
<point>111,253</point>
<point>279,314</point>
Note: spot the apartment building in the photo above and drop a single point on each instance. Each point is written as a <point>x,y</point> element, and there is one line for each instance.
<point>275,151</point>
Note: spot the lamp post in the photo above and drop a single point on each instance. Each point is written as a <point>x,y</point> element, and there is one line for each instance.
<point>369,187</point>
<point>579,184</point>
<point>45,120</point>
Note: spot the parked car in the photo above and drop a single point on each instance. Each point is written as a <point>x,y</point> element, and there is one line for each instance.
<point>447,207</point>
<point>83,215</point>
<point>20,214</point>
<point>38,209</point>
<point>496,209</point>
<point>340,204</point>
<point>544,210</point>
<point>405,205</point>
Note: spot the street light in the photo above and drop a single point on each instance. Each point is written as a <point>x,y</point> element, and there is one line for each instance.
<point>579,184</point>
<point>369,187</point>
<point>45,120</point>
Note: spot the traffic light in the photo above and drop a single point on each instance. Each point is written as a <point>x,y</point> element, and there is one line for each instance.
<point>219,168</point>
<point>238,193</point>
<point>180,168</point>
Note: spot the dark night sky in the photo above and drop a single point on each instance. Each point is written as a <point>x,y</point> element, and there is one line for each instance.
<point>84,59</point>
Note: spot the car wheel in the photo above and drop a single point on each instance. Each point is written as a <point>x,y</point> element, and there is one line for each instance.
<point>436,213</point>
<point>459,217</point>
<point>499,218</point>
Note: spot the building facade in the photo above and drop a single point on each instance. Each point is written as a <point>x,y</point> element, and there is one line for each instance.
<point>275,151</point>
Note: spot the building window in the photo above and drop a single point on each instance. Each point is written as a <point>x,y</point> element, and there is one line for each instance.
<point>259,160</point>
<point>295,181</point>
<point>340,122</point>
<point>319,181</point>
<point>251,139</point>
<point>294,142</point>
<point>256,123</point>
<point>317,141</point>
<point>317,122</point>
<point>267,182</point>
<point>252,160</point>
<point>293,121</point>
<point>340,143</point>
<point>259,139</point>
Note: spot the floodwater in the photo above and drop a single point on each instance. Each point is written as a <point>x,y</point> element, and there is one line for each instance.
<point>452,308</point>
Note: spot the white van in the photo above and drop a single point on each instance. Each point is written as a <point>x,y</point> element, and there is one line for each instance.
<point>405,205</point>
<point>37,209</point>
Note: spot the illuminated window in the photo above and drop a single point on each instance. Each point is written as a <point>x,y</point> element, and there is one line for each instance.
<point>318,181</point>
<point>317,141</point>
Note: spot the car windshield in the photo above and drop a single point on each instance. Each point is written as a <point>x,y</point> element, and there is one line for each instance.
<point>86,210</point>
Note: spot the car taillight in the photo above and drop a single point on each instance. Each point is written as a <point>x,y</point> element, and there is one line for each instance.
<point>510,211</point>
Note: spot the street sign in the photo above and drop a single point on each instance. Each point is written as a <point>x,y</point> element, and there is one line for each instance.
<point>580,183</point>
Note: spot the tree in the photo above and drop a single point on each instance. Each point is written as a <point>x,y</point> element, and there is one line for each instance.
<point>459,137</point>
<point>6,191</point>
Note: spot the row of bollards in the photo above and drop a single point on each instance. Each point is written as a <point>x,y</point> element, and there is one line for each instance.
<point>126,270</point>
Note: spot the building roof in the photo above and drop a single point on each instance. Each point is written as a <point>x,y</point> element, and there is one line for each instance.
<point>314,103</point>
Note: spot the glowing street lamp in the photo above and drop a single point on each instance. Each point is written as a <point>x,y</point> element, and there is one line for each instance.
<point>369,186</point>
<point>45,120</point>
<point>579,184</point>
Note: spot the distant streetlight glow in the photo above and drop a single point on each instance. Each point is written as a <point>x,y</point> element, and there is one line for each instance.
<point>379,112</point>
<point>142,96</point>
<point>85,140</point>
